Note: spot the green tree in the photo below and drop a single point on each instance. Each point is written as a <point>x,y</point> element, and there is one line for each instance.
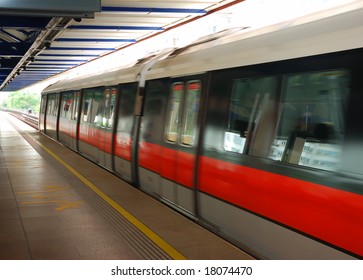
<point>23,101</point>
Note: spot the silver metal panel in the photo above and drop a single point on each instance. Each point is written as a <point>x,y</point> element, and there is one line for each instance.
<point>88,151</point>
<point>168,190</point>
<point>123,168</point>
<point>150,181</point>
<point>185,198</point>
<point>105,159</point>
<point>64,138</point>
<point>268,239</point>
<point>181,197</point>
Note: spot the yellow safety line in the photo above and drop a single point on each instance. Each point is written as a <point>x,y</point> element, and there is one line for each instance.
<point>172,252</point>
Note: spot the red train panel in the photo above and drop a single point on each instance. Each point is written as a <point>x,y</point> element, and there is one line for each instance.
<point>123,146</point>
<point>174,165</point>
<point>326,213</point>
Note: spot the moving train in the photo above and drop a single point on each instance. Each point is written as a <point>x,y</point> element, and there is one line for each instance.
<point>254,134</point>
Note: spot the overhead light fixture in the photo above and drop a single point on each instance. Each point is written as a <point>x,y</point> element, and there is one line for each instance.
<point>47,45</point>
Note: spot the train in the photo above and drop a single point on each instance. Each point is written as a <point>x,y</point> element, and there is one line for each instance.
<point>253,134</point>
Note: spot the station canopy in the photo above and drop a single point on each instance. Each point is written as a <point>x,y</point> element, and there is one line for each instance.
<point>39,39</point>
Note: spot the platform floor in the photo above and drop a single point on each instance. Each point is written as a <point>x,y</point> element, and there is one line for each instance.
<point>55,204</point>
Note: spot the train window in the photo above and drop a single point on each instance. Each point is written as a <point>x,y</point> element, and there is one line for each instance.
<point>175,104</point>
<point>92,104</point>
<point>191,113</point>
<point>126,106</point>
<point>250,106</point>
<point>52,104</point>
<point>56,101</point>
<point>66,103</point>
<point>311,121</point>
<point>86,106</point>
<point>155,94</point>
<point>97,107</point>
<point>50,108</point>
<point>75,102</point>
<point>109,106</point>
<point>44,104</point>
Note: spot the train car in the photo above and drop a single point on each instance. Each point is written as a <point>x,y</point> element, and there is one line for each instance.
<point>255,135</point>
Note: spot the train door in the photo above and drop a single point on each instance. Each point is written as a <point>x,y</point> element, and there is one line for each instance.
<point>148,150</point>
<point>123,135</point>
<point>64,118</point>
<point>89,123</point>
<point>52,115</point>
<point>180,143</point>
<point>43,113</point>
<point>104,122</point>
<point>74,119</point>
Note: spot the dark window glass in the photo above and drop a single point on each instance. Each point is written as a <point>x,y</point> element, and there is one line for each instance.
<point>66,104</point>
<point>182,115</point>
<point>311,123</point>
<point>75,102</point>
<point>191,110</point>
<point>174,109</point>
<point>251,107</point>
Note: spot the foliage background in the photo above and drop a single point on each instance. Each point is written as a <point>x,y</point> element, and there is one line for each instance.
<point>19,100</point>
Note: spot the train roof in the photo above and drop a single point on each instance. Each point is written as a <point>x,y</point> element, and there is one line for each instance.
<point>324,32</point>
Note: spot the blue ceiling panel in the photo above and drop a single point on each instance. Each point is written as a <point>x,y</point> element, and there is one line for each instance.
<point>93,40</point>
<point>114,27</point>
<point>65,55</point>
<point>80,49</point>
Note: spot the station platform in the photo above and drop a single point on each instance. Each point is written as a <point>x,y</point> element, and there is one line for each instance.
<point>57,205</point>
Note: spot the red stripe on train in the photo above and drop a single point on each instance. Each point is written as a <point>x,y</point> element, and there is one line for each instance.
<point>171,164</point>
<point>123,144</point>
<point>329,214</point>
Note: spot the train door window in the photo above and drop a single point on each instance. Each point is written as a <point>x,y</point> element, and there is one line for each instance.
<point>92,105</point>
<point>175,104</point>
<point>156,90</point>
<point>66,102</point>
<point>126,106</point>
<point>98,105</point>
<point>56,103</point>
<point>86,106</point>
<point>75,102</point>
<point>109,104</point>
<point>44,104</point>
<point>311,122</point>
<point>191,110</point>
<point>51,100</point>
<point>251,112</point>
<point>182,116</point>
